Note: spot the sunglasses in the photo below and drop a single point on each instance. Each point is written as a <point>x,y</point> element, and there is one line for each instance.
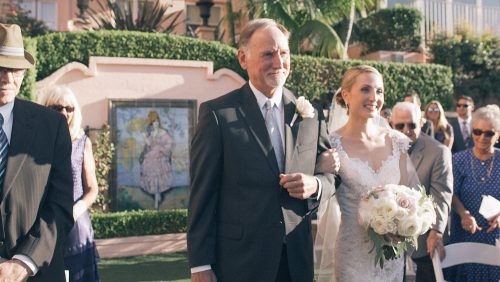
<point>59,108</point>
<point>433,110</point>
<point>462,106</point>
<point>487,133</point>
<point>400,126</point>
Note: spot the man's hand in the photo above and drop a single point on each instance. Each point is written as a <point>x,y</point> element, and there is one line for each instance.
<point>204,276</point>
<point>435,242</point>
<point>328,162</point>
<point>299,185</point>
<point>14,270</point>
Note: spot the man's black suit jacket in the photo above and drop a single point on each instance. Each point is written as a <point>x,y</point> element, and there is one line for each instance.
<point>459,144</point>
<point>239,216</point>
<point>37,195</point>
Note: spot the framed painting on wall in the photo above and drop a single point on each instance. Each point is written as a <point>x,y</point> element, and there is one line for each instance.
<point>151,162</point>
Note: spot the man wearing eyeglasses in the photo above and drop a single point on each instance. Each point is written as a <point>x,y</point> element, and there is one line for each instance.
<point>462,124</point>
<point>36,193</point>
<point>432,161</point>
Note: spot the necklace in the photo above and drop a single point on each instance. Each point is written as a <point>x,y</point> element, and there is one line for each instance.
<point>482,179</point>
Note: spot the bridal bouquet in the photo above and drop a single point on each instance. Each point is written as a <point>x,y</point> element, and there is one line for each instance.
<point>395,215</point>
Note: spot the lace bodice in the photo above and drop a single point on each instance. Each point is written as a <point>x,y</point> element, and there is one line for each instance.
<point>353,260</point>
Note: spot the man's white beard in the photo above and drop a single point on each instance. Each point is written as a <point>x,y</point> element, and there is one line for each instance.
<point>279,82</point>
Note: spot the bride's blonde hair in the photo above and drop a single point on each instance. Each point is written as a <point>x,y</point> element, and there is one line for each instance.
<point>350,78</point>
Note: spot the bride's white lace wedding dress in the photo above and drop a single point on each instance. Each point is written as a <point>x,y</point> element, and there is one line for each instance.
<point>353,259</point>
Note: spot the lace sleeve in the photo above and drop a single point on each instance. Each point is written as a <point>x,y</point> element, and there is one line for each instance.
<point>409,176</point>
<point>334,140</point>
<point>400,141</point>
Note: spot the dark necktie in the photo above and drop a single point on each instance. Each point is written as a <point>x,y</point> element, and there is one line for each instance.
<point>274,133</point>
<point>4,150</point>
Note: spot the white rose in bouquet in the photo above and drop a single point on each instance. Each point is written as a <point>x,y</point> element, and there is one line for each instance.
<point>409,226</point>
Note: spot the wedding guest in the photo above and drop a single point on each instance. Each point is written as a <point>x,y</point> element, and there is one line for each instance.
<point>253,181</point>
<point>35,174</point>
<point>432,160</point>
<point>80,253</point>
<point>462,124</point>
<point>443,132</point>
<point>414,98</point>
<point>476,172</point>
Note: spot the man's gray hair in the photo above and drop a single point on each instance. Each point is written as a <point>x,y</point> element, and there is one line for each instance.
<point>407,106</point>
<point>254,25</point>
<point>490,113</point>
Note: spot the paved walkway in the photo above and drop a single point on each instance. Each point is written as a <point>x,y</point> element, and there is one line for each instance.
<point>141,245</point>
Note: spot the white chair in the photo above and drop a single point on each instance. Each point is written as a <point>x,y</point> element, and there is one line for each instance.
<point>460,253</point>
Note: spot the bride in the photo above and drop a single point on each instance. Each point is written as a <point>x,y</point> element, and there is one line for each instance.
<point>370,155</point>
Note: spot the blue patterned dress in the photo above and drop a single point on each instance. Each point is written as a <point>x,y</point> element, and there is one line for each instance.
<point>80,253</point>
<point>471,181</point>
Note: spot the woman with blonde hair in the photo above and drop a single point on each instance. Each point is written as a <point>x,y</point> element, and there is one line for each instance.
<point>80,253</point>
<point>443,131</point>
<point>370,155</point>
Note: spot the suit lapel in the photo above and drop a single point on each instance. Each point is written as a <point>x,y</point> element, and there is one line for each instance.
<point>21,139</point>
<point>290,132</point>
<point>459,138</point>
<point>417,153</point>
<point>252,115</point>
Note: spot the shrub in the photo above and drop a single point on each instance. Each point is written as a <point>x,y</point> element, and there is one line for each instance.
<point>310,76</point>
<point>103,155</point>
<point>137,223</point>
<point>394,29</point>
<point>475,62</point>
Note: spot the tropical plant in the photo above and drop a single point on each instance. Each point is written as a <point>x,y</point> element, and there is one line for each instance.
<point>29,25</point>
<point>152,16</point>
<point>312,22</point>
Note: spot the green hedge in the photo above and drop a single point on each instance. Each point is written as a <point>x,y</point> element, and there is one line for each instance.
<point>136,223</point>
<point>311,76</point>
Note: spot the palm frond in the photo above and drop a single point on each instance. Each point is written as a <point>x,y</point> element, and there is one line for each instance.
<point>317,37</point>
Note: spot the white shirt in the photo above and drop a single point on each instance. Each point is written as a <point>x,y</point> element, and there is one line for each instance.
<point>8,118</point>
<point>467,123</point>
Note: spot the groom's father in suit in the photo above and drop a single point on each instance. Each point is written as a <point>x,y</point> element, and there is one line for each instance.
<point>36,186</point>
<point>253,181</point>
<point>432,160</point>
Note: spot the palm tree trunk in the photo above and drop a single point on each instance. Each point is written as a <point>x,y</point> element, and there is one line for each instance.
<point>349,30</point>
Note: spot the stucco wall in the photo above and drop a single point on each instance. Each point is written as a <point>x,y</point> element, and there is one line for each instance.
<point>133,78</point>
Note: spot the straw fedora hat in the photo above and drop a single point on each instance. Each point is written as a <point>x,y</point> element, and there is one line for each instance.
<point>12,53</point>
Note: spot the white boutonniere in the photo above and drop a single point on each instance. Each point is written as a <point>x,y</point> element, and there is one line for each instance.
<point>304,108</point>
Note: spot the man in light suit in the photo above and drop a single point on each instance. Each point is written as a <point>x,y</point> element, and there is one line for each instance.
<point>253,186</point>
<point>462,128</point>
<point>432,161</point>
<point>37,192</point>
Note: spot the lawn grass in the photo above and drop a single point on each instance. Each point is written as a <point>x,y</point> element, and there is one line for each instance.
<point>164,267</point>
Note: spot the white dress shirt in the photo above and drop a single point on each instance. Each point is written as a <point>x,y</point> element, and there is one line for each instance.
<point>467,123</point>
<point>8,118</point>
